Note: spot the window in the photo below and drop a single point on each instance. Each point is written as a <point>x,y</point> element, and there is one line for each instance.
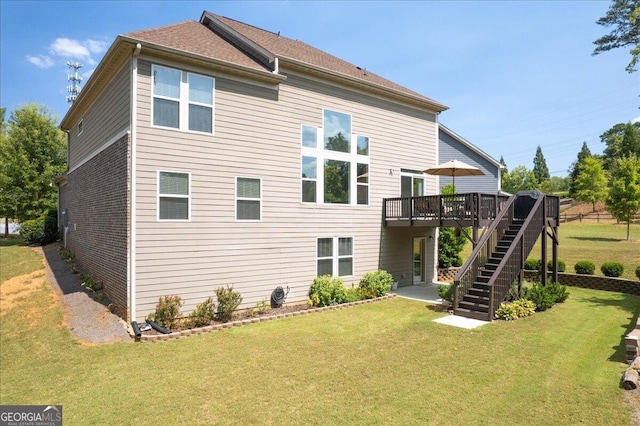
<point>80,127</point>
<point>182,100</point>
<point>335,254</point>
<point>248,201</point>
<point>309,179</point>
<point>334,171</point>
<point>173,196</point>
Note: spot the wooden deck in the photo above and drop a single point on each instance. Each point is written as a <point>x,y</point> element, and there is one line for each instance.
<point>462,210</point>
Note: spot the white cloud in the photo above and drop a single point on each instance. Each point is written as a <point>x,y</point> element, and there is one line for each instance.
<point>68,48</point>
<point>635,120</point>
<point>96,46</point>
<point>41,61</point>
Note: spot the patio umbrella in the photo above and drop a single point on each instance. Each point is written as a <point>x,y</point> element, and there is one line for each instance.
<point>454,168</point>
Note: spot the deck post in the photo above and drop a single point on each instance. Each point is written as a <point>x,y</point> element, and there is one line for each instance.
<point>544,242</point>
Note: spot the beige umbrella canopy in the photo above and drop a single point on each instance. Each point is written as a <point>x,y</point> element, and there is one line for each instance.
<point>454,168</point>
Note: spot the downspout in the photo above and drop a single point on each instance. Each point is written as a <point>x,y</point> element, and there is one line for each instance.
<point>131,271</point>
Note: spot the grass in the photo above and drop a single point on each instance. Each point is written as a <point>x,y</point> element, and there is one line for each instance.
<point>16,260</point>
<point>382,363</point>
<point>598,243</point>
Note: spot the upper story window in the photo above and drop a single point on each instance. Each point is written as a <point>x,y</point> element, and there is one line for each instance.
<point>173,196</point>
<point>334,170</point>
<point>182,100</point>
<point>80,126</point>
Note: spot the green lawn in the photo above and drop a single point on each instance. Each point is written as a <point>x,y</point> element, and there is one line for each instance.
<point>381,363</point>
<point>598,243</point>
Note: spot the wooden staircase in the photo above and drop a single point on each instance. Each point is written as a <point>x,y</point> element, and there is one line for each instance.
<point>498,259</point>
<point>475,304</point>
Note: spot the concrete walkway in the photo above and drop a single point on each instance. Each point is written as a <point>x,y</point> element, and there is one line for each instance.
<point>429,293</point>
<point>88,320</point>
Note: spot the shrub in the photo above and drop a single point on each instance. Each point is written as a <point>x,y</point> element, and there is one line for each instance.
<point>42,230</point>
<point>446,292</point>
<point>203,314</point>
<point>375,284</point>
<point>353,294</point>
<point>451,242</point>
<point>541,296</point>
<point>228,302</point>
<point>612,269</point>
<point>506,312</point>
<point>524,307</point>
<point>532,264</point>
<point>517,309</point>
<point>585,267</point>
<point>167,311</point>
<point>638,271</point>
<point>262,307</point>
<point>326,291</point>
<point>561,265</point>
<point>558,291</point>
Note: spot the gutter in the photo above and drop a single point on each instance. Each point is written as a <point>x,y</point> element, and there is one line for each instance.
<point>131,270</point>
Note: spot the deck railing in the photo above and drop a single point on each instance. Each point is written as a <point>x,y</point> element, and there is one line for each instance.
<point>465,207</point>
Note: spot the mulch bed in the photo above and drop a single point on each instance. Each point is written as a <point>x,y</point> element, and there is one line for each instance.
<point>249,316</point>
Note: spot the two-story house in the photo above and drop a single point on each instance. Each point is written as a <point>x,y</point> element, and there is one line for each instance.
<point>210,153</point>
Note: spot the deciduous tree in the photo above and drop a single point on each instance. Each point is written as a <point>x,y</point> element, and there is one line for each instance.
<point>622,140</point>
<point>591,183</point>
<point>33,154</point>
<point>623,201</point>
<point>519,179</point>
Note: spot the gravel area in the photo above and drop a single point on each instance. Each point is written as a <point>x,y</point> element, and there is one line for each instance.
<point>89,320</point>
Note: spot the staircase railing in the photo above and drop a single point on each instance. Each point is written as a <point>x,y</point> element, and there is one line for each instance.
<point>513,260</point>
<point>486,245</point>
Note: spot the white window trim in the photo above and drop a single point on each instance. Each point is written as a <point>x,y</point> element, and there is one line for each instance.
<point>336,255</point>
<point>423,176</point>
<point>172,196</point>
<point>80,126</point>
<point>247,199</point>
<point>321,154</point>
<point>184,102</point>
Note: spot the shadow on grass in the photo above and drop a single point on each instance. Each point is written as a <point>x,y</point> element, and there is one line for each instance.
<point>628,303</point>
<point>437,308</point>
<point>11,241</point>
<point>600,239</point>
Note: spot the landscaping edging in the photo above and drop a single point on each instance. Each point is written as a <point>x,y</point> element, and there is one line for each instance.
<point>594,282</point>
<point>211,328</point>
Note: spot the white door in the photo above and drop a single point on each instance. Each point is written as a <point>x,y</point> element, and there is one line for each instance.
<point>419,245</point>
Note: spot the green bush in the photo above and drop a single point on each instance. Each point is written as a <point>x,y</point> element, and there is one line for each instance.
<point>585,267</point>
<point>203,314</point>
<point>532,264</point>
<point>541,296</point>
<point>167,312</point>
<point>638,271</point>
<point>446,292</point>
<point>612,269</point>
<point>375,284</point>
<point>353,294</point>
<point>43,230</point>
<point>451,242</point>
<point>561,265</point>
<point>517,309</point>
<point>524,307</point>
<point>228,302</point>
<point>558,291</point>
<point>326,291</point>
<point>506,312</point>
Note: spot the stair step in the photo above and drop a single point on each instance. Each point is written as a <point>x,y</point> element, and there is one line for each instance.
<point>477,292</point>
<point>477,299</point>
<point>477,307</point>
<point>471,314</point>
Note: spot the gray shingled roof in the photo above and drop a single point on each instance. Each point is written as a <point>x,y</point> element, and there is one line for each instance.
<point>201,39</point>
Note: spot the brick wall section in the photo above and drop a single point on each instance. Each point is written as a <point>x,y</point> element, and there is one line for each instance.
<point>96,196</point>
<point>593,282</point>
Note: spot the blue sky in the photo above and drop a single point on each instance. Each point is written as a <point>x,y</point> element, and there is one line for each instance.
<point>514,74</point>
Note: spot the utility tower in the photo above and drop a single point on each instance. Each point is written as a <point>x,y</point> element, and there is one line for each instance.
<point>74,79</point>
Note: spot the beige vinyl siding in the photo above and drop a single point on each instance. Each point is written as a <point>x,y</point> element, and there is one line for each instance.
<point>104,119</point>
<point>257,134</point>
